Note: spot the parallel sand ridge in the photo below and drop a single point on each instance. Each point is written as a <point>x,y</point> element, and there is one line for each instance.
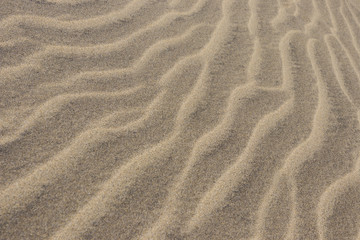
<point>182,119</point>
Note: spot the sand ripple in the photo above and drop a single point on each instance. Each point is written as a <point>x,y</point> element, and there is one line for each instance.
<point>180,119</point>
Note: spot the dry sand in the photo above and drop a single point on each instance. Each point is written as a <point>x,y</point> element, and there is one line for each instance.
<point>180,119</point>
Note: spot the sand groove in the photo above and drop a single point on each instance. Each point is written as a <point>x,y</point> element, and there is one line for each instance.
<point>176,119</point>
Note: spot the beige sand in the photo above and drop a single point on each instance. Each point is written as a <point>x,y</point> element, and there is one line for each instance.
<point>180,119</point>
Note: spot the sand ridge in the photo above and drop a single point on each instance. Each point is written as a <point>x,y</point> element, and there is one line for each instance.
<point>179,119</point>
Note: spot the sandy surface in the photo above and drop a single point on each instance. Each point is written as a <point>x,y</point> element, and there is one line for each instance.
<point>179,119</point>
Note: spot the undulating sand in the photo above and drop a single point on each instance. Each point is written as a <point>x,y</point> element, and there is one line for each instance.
<point>180,119</point>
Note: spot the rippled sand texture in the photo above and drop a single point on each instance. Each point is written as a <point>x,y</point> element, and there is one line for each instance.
<point>179,119</point>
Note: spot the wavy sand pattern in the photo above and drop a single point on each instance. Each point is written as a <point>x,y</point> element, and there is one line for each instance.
<point>180,119</point>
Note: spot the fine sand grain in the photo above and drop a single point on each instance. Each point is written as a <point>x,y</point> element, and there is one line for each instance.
<point>179,119</point>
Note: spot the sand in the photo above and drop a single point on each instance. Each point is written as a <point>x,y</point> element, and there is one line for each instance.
<point>179,119</point>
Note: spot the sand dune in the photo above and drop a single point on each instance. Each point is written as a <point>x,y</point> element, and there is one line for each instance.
<point>180,119</point>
